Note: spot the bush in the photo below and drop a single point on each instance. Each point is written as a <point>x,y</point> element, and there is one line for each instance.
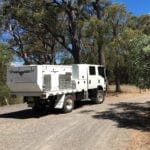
<point>5,97</point>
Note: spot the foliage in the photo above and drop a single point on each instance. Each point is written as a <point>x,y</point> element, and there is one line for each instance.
<point>141,23</point>
<point>117,21</point>
<point>29,24</point>
<point>140,61</point>
<point>5,54</point>
<point>5,58</point>
<point>144,24</point>
<point>46,26</point>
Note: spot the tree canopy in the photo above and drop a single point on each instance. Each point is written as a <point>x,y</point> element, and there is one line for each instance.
<point>140,61</point>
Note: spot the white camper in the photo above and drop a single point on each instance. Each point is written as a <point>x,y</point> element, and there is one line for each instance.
<point>57,85</point>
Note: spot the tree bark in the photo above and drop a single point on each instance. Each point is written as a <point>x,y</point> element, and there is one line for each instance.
<point>6,100</point>
<point>76,58</point>
<point>117,78</point>
<point>101,56</point>
<point>76,51</point>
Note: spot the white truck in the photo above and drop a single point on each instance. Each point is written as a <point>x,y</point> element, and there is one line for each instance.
<point>57,85</point>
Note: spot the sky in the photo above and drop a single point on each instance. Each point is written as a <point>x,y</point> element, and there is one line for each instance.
<point>136,7</point>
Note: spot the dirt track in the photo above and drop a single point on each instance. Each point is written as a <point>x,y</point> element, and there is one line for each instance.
<point>107,126</point>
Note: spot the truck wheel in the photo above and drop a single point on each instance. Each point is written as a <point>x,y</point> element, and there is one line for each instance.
<point>99,97</point>
<point>68,104</point>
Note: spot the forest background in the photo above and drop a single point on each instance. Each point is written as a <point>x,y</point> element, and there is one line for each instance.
<point>77,31</point>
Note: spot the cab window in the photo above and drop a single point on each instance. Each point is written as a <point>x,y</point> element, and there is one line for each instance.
<point>92,70</point>
<point>101,71</point>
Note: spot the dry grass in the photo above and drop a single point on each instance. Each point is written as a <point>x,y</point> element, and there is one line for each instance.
<point>139,141</point>
<point>128,91</point>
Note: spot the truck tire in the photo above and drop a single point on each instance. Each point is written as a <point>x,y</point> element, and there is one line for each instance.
<point>68,104</point>
<point>100,96</point>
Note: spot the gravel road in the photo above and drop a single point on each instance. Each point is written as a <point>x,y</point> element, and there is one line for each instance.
<point>105,126</point>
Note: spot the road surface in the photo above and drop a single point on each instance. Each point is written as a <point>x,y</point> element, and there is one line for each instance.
<point>105,126</point>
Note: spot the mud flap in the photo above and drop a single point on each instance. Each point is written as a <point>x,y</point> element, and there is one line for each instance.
<point>60,102</point>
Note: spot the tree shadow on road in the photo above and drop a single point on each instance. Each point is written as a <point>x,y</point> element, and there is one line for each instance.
<point>128,115</point>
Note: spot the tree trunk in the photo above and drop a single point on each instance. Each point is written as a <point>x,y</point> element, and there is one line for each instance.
<point>76,56</point>
<point>118,88</point>
<point>101,56</point>
<point>53,55</point>
<point>97,8</point>
<point>26,62</point>
<point>117,78</point>
<point>6,100</point>
<point>53,60</point>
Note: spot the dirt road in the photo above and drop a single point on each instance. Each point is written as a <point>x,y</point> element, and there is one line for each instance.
<point>89,127</point>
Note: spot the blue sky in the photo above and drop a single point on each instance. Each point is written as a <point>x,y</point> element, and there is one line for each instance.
<point>136,7</point>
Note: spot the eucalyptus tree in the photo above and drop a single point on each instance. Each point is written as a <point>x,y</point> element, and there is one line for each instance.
<point>29,24</point>
<point>97,28</point>
<point>117,18</point>
<point>141,23</point>
<point>144,24</point>
<point>50,22</point>
<point>99,7</point>
<point>139,60</point>
<point>96,39</point>
<point>72,15</point>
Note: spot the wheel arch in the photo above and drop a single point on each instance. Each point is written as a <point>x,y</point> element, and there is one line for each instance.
<point>100,88</point>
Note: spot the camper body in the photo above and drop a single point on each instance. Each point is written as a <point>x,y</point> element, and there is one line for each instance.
<point>57,85</point>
